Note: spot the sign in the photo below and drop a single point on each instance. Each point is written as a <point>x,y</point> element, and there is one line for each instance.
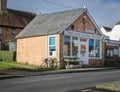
<point>90,30</point>
<point>85,35</point>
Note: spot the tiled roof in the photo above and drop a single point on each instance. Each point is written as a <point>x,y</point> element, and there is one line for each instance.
<point>15,18</point>
<point>51,23</point>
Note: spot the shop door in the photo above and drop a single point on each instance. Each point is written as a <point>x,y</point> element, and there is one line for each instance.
<point>84,51</point>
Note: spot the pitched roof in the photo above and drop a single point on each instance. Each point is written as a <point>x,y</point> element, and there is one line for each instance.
<point>15,18</point>
<point>108,29</point>
<point>118,23</point>
<point>52,23</point>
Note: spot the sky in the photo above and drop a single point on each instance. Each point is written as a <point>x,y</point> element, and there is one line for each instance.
<point>104,12</point>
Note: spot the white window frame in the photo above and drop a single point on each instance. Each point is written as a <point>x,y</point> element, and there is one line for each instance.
<point>71,46</point>
<point>51,45</point>
<point>94,50</point>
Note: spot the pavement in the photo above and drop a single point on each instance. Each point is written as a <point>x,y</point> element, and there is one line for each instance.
<point>6,74</point>
<point>111,86</point>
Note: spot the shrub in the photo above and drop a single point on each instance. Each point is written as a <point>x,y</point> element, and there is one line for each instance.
<point>7,56</point>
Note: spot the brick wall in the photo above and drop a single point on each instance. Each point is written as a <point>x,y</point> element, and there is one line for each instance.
<point>7,35</point>
<point>32,50</point>
<point>81,24</point>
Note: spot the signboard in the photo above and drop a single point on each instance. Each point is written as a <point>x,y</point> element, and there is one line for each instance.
<point>90,30</point>
<point>85,35</point>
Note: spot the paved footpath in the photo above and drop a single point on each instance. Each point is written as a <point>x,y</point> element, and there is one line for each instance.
<point>111,86</point>
<point>19,73</point>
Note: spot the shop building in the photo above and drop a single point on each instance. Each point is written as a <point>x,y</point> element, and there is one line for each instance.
<point>67,34</point>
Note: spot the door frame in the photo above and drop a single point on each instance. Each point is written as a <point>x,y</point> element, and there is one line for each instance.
<point>87,50</point>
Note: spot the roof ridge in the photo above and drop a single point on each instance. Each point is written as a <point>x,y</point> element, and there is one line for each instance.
<point>64,11</point>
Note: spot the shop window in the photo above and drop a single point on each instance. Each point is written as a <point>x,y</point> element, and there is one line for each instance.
<point>109,52</point>
<point>94,48</point>
<point>74,46</point>
<point>97,48</point>
<point>0,30</point>
<point>13,31</point>
<point>91,48</point>
<point>52,46</point>
<point>66,45</point>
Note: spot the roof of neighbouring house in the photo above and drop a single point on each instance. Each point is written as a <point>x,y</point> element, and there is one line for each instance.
<point>51,23</point>
<point>108,29</point>
<point>118,23</point>
<point>15,18</point>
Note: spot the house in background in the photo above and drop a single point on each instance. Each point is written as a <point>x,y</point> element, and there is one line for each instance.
<point>115,33</point>
<point>106,31</point>
<point>112,33</point>
<point>11,23</point>
<point>112,44</point>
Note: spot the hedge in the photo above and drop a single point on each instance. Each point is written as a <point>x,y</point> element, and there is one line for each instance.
<point>7,56</point>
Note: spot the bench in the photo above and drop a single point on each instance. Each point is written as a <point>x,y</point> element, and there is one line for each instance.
<point>73,63</point>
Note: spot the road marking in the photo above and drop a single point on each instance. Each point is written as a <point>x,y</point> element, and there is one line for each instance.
<point>28,81</point>
<point>99,73</point>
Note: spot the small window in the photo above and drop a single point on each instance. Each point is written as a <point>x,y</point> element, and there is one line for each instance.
<point>72,27</point>
<point>116,51</point>
<point>109,52</point>
<point>52,46</point>
<point>13,31</point>
<point>0,30</point>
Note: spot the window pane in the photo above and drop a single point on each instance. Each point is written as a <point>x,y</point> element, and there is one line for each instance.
<point>52,41</point>
<point>97,48</point>
<point>0,30</point>
<point>13,31</point>
<point>74,46</point>
<point>52,50</point>
<point>91,48</point>
<point>109,52</point>
<point>67,45</point>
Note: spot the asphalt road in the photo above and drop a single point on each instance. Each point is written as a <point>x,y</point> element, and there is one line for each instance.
<point>59,83</point>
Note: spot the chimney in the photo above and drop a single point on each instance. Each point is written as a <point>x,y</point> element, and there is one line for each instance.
<point>3,4</point>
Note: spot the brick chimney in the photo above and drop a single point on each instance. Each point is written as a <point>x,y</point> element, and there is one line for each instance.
<point>3,5</point>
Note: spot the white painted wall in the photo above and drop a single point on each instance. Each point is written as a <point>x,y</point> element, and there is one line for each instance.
<point>115,33</point>
<point>105,32</point>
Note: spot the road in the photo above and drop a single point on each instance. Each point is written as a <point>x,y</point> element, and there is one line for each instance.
<point>59,82</point>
